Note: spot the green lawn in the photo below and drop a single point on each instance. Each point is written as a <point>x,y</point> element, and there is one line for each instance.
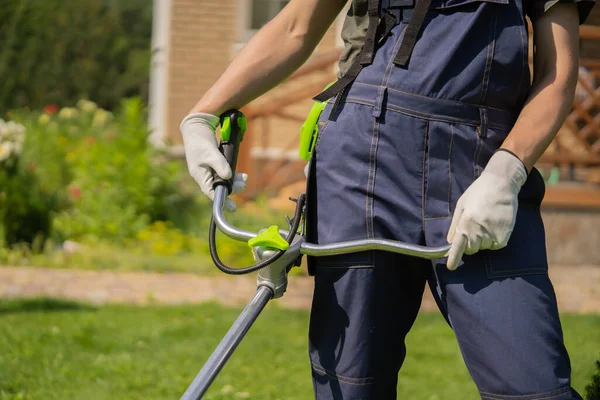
<point>59,350</point>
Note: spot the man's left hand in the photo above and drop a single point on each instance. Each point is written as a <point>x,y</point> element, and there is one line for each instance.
<point>486,212</point>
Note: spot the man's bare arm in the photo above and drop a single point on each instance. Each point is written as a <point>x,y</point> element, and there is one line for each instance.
<point>556,60</point>
<point>272,55</point>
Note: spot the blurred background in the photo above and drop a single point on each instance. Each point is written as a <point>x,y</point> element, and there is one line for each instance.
<point>107,289</point>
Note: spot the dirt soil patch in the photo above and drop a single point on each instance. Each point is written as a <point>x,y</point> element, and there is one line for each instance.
<point>577,287</point>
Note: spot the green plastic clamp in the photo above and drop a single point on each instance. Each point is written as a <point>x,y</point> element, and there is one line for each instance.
<point>310,129</point>
<point>269,238</point>
<point>226,127</point>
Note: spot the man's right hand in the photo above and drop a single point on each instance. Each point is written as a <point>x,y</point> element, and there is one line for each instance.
<point>204,158</point>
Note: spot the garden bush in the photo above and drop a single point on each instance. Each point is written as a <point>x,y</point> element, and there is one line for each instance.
<point>24,207</point>
<point>88,175</point>
<point>107,180</point>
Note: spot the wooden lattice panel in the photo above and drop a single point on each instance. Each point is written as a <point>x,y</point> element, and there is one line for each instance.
<point>586,110</point>
<point>578,141</point>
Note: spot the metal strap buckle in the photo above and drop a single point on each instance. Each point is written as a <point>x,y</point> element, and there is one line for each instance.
<point>401,9</point>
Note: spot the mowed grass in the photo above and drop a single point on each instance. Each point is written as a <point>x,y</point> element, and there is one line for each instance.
<point>52,349</point>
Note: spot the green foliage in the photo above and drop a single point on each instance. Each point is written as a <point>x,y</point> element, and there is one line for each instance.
<point>24,209</point>
<point>24,206</point>
<point>592,391</point>
<point>110,182</point>
<point>88,175</point>
<point>93,177</point>
<point>118,185</point>
<point>61,350</point>
<point>58,51</point>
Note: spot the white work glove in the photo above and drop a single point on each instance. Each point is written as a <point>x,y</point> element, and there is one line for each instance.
<point>204,158</point>
<point>486,212</point>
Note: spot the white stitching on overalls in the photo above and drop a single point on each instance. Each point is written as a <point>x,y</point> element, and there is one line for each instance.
<point>369,195</point>
<point>523,44</point>
<point>450,168</point>
<point>489,58</point>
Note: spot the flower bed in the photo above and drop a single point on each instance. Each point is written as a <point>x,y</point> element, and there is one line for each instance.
<point>85,175</point>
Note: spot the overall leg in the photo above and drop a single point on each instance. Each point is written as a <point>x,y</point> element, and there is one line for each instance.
<point>503,309</point>
<point>501,303</point>
<point>360,316</point>
<point>365,303</point>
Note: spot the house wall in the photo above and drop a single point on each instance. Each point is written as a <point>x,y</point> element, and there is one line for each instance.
<point>204,37</point>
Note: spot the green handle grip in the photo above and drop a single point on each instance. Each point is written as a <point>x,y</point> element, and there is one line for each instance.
<point>233,127</point>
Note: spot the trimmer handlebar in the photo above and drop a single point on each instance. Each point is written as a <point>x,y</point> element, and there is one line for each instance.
<point>233,126</point>
<point>330,249</point>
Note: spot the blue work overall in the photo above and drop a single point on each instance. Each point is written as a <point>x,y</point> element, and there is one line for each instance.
<point>401,148</point>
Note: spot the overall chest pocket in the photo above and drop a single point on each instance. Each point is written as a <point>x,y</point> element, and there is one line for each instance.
<point>469,49</point>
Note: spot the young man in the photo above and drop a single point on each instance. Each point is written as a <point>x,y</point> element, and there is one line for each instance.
<point>430,137</point>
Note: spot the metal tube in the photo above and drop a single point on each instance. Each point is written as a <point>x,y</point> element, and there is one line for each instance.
<point>229,343</point>
<point>224,226</point>
<point>353,246</point>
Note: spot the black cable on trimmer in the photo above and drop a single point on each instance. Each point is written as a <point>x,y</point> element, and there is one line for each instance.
<point>212,242</point>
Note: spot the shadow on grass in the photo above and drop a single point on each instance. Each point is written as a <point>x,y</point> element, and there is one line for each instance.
<point>41,305</point>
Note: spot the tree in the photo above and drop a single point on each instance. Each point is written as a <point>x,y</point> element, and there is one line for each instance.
<point>59,51</point>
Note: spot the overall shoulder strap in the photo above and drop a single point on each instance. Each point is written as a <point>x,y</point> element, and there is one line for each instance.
<point>412,32</point>
<point>376,30</point>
